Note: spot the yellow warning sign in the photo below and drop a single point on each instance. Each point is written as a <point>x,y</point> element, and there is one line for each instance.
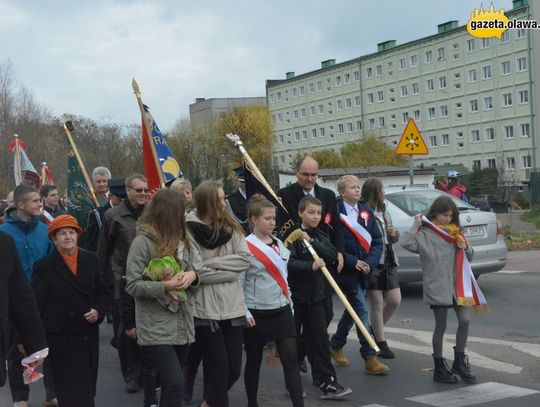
<point>411,142</point>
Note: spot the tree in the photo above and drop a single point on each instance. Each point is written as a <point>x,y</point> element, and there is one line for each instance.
<point>370,152</point>
<point>328,158</point>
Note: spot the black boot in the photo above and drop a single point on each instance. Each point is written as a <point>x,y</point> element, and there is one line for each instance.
<point>385,352</point>
<point>442,373</point>
<point>189,381</point>
<point>462,368</point>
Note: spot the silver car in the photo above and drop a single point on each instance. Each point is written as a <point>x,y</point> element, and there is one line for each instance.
<point>483,230</point>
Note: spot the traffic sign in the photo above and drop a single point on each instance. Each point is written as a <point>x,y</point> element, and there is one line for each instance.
<point>411,142</point>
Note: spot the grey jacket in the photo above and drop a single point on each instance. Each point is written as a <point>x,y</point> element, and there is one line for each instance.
<point>438,259</point>
<point>219,295</point>
<point>261,291</point>
<point>156,325</point>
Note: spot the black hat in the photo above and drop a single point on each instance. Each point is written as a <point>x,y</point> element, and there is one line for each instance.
<point>240,174</point>
<point>117,187</point>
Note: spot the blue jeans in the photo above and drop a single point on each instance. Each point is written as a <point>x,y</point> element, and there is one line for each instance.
<point>339,339</point>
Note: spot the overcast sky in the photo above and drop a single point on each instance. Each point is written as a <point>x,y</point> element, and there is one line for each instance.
<point>80,56</point>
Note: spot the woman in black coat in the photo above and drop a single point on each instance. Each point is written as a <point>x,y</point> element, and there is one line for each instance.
<point>72,300</point>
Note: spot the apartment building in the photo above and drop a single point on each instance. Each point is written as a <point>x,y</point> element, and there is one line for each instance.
<point>472,99</point>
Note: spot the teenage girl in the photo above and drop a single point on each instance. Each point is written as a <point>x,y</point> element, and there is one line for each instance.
<point>437,239</point>
<point>267,296</point>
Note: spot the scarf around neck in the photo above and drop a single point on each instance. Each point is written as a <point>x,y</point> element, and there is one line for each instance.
<point>203,235</point>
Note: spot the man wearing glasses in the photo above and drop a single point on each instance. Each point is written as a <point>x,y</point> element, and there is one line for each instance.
<point>117,232</point>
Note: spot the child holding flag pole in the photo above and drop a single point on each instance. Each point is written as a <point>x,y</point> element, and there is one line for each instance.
<point>447,281</point>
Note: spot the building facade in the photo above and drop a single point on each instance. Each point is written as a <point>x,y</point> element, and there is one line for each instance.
<point>206,110</point>
<point>472,99</point>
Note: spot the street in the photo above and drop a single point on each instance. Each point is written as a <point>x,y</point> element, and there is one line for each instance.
<point>503,348</point>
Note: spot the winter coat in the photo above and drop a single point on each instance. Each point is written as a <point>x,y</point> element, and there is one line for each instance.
<point>30,238</point>
<point>219,295</point>
<point>438,260</point>
<point>308,286</point>
<point>457,190</point>
<point>350,277</point>
<point>261,291</point>
<point>156,324</point>
<point>18,308</point>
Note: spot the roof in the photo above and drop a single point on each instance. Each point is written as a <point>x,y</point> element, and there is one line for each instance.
<point>377,171</point>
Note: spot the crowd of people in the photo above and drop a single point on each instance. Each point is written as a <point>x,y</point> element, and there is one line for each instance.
<point>193,276</point>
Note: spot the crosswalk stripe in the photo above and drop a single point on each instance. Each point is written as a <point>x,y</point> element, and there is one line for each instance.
<point>511,271</point>
<point>471,395</point>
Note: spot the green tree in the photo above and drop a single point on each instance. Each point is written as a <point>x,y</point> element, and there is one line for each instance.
<point>328,158</point>
<point>370,152</point>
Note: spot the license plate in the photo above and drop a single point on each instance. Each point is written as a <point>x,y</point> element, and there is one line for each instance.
<point>474,231</point>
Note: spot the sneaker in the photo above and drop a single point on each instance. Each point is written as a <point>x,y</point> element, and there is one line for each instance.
<point>374,366</point>
<point>339,357</point>
<point>332,390</point>
<point>132,387</point>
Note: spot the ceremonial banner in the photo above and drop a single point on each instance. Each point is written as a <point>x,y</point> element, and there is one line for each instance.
<point>46,175</point>
<point>79,201</point>
<point>24,170</point>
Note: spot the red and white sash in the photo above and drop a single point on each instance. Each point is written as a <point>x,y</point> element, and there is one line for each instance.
<point>48,217</point>
<point>272,261</point>
<point>468,292</point>
<point>361,235</point>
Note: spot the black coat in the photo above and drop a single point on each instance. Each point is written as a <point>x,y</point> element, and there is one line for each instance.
<point>291,196</point>
<point>93,226</point>
<point>238,205</point>
<point>17,305</point>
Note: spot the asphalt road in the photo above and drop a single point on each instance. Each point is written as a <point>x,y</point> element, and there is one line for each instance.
<point>504,350</point>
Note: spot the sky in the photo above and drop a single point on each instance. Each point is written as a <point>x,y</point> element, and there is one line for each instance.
<point>79,56</point>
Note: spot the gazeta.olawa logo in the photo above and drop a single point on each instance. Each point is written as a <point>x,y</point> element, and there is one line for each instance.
<point>487,24</point>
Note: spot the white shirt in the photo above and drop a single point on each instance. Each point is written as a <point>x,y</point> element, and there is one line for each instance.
<point>312,192</point>
<point>352,211</point>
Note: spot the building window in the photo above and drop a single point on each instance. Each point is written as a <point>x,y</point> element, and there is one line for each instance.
<point>507,99</point>
<point>523,96</point>
<point>505,68</point>
<point>311,88</point>
<point>471,45</point>
<point>322,132</point>
<point>338,80</point>
<point>280,117</point>
<point>303,112</point>
<point>381,121</point>
<point>294,93</point>
<point>441,54</point>
<point>477,164</point>
<point>416,115</point>
<point>313,110</point>
<point>433,141</point>
<point>431,113</point>
<point>370,98</point>
<point>525,129</point>
<point>280,138</point>
<point>304,134</point>
<point>378,70</point>
<point>526,161</point>
<point>319,86</point>
<point>521,33</point>
<point>314,133</point>
<point>508,132</point>
<point>473,105</point>
<point>356,75</point>
<point>445,140</point>
<point>444,111</point>
<point>457,76</point>
<point>486,43</point>
<point>347,78</point>
<point>349,127</point>
<point>405,117</point>
<point>505,37</point>
<point>457,86</point>
<point>429,57</point>
<point>402,64</point>
<point>357,100</point>
<point>341,129</point>
<point>486,71</point>
<point>359,125</point>
<point>302,91</point>
<point>459,134</point>
<point>490,134</point>
<point>380,96</point>
<point>348,103</point>
<point>296,115</point>
<point>521,64</point>
<point>415,88</point>
<point>414,61</point>
<point>491,163</point>
<point>404,92</point>
<point>475,136</point>
<point>488,103</point>
<point>369,72</point>
<point>429,85</point>
<point>371,124</point>
<point>473,77</point>
<point>339,104</point>
<point>297,136</point>
<point>321,109</point>
<point>442,82</point>
<point>282,159</point>
<point>510,163</point>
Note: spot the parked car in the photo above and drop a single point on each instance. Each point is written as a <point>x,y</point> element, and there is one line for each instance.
<point>490,203</point>
<point>482,229</point>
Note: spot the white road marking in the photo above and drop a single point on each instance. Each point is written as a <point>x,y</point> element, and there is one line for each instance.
<point>511,271</point>
<point>471,395</point>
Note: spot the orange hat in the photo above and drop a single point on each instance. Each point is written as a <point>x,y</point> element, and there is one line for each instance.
<point>63,221</point>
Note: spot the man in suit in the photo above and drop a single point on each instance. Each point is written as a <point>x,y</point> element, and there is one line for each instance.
<point>237,202</point>
<point>307,170</point>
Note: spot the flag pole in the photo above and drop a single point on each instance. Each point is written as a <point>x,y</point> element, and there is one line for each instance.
<point>68,127</point>
<point>298,234</point>
<point>43,175</point>
<point>137,92</point>
<point>18,155</point>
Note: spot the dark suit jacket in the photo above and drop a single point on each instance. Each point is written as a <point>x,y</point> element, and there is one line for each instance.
<point>63,298</point>
<point>93,226</point>
<point>238,205</point>
<point>18,307</point>
<point>291,196</point>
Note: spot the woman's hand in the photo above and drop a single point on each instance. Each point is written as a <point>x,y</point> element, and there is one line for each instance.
<point>187,278</point>
<point>418,218</point>
<point>91,316</point>
<point>250,322</point>
<point>461,243</point>
<point>173,283</point>
<point>392,231</point>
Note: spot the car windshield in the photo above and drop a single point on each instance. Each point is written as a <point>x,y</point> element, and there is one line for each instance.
<point>413,202</point>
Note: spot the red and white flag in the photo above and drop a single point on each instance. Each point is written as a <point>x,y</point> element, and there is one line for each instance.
<point>23,168</point>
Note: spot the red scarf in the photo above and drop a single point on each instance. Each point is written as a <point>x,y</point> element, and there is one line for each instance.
<point>71,260</point>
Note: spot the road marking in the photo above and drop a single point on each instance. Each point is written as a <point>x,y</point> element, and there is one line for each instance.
<point>374,405</point>
<point>470,395</point>
<point>476,359</point>
<point>511,271</point>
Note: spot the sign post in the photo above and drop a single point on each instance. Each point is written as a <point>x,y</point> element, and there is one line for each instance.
<point>411,143</point>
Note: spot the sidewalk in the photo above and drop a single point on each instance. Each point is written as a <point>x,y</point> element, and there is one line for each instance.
<point>512,220</point>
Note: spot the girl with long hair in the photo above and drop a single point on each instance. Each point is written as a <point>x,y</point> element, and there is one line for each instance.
<point>220,255</point>
<point>163,310</point>
<point>383,292</point>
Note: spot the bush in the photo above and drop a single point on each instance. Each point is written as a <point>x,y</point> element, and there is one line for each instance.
<point>521,201</point>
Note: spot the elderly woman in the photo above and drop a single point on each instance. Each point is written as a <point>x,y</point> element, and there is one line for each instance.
<point>72,300</point>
